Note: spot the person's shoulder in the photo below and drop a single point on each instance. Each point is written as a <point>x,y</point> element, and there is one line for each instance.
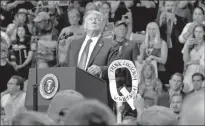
<point>5,99</point>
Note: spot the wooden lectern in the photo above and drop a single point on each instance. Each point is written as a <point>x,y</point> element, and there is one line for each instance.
<point>68,78</point>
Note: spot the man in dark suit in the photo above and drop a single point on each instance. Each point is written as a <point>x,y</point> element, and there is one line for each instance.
<point>91,53</point>
<point>171,26</point>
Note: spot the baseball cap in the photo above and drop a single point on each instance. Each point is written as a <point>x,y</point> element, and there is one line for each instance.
<point>64,99</point>
<point>41,16</point>
<point>158,115</point>
<point>118,23</point>
<point>22,11</point>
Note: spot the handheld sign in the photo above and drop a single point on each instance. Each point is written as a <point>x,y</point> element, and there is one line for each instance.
<point>59,3</point>
<point>127,97</point>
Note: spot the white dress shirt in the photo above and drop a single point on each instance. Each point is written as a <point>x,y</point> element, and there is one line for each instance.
<point>92,45</point>
<point>13,104</point>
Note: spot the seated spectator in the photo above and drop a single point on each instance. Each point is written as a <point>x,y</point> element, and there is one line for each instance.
<point>149,82</point>
<point>74,31</point>
<point>154,49</point>
<point>5,65</point>
<point>175,87</point>
<point>198,18</point>
<point>176,103</point>
<point>90,113</point>
<point>61,104</point>
<point>15,96</point>
<point>31,118</point>
<point>176,84</point>
<point>192,53</point>
<point>21,54</point>
<point>198,80</point>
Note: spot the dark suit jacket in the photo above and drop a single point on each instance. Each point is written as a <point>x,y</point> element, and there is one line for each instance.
<point>174,53</point>
<point>101,56</point>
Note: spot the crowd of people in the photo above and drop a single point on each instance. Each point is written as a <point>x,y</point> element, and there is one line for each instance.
<point>164,39</point>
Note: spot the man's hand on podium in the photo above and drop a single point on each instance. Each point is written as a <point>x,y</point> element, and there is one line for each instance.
<point>95,70</point>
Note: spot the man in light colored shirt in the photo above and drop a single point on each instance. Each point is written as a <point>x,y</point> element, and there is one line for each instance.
<point>91,53</point>
<point>13,102</point>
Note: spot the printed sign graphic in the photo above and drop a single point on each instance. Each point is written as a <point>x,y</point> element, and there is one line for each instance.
<point>127,97</point>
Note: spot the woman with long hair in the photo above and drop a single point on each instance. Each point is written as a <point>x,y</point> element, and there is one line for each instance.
<point>192,53</point>
<point>155,49</point>
<point>149,83</point>
<point>198,18</point>
<point>21,54</point>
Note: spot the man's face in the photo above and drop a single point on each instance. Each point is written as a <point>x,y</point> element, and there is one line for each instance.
<point>3,49</point>
<point>12,85</point>
<point>170,6</point>
<point>43,25</point>
<point>22,18</point>
<point>176,104</point>
<point>197,82</point>
<point>40,25</point>
<point>93,22</point>
<point>175,83</point>
<point>121,31</point>
<point>73,18</point>
<point>198,15</point>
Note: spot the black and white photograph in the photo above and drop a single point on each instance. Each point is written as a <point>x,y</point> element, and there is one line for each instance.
<point>102,62</point>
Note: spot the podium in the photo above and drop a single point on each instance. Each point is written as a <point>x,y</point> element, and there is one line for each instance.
<point>68,78</point>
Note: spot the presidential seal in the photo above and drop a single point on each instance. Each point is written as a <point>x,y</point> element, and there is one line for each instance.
<point>48,86</point>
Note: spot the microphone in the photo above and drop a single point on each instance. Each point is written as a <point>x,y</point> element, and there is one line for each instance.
<point>66,35</point>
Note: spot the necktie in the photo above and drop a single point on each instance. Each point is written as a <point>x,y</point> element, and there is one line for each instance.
<point>84,55</point>
<point>169,32</point>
